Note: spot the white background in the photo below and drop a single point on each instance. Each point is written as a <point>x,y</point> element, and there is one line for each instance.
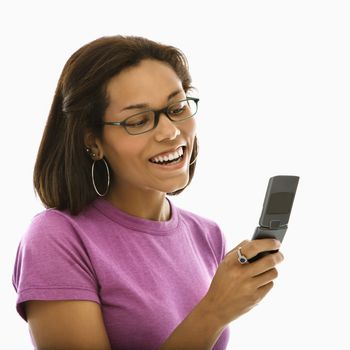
<point>274,83</point>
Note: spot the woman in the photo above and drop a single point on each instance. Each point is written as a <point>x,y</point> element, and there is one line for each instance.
<point>113,263</point>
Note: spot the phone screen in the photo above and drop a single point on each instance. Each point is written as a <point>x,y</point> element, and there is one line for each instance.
<point>280,203</point>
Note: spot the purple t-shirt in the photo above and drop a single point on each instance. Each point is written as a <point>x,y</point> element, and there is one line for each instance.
<point>146,275</point>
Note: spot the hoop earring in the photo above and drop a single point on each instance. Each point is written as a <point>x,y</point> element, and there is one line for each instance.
<point>93,178</point>
<point>197,151</point>
<point>194,160</point>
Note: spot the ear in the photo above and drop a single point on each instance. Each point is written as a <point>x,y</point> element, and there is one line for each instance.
<point>93,145</point>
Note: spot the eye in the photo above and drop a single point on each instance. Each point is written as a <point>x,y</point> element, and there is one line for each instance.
<point>178,108</point>
<point>138,120</point>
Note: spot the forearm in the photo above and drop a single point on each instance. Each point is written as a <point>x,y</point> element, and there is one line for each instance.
<point>199,330</point>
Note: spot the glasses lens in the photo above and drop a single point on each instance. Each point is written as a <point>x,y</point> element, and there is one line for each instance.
<point>140,123</point>
<point>182,110</point>
<point>143,122</point>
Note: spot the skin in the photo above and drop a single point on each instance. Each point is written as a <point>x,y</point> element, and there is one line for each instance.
<point>141,187</point>
<point>140,190</point>
<point>69,325</point>
<point>234,290</point>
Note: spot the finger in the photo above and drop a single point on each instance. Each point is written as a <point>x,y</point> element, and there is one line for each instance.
<point>252,248</point>
<point>234,250</point>
<point>265,278</point>
<point>265,264</point>
<point>265,289</point>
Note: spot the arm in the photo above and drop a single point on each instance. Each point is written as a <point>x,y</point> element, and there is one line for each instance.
<point>199,330</point>
<point>234,290</point>
<point>67,325</point>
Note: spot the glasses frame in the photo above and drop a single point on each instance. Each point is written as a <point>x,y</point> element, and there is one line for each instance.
<point>157,114</point>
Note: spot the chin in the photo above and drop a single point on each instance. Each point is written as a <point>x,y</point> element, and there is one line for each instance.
<point>173,187</point>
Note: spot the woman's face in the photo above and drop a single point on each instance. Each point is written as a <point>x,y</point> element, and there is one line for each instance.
<point>154,85</point>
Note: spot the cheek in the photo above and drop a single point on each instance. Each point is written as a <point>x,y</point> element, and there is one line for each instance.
<point>192,127</point>
<point>122,150</point>
<point>190,130</point>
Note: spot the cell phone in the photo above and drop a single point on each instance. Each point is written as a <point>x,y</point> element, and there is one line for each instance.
<point>276,210</point>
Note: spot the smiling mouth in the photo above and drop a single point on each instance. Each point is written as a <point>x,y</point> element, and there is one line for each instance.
<point>171,158</point>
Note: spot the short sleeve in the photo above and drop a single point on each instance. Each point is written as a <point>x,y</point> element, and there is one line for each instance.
<point>52,263</point>
<point>218,242</point>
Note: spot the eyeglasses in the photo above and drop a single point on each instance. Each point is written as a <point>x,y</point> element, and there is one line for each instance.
<point>145,121</point>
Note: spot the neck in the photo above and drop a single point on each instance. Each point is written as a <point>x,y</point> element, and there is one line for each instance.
<point>151,205</point>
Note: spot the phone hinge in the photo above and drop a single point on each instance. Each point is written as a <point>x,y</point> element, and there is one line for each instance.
<point>275,224</point>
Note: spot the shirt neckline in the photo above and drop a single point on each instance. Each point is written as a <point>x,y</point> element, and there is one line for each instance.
<point>136,223</point>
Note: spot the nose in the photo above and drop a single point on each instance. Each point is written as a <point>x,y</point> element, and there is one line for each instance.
<point>166,129</point>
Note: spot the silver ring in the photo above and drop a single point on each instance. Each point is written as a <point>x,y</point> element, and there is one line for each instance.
<point>242,259</point>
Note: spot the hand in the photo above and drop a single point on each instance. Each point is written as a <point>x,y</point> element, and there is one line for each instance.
<point>237,288</point>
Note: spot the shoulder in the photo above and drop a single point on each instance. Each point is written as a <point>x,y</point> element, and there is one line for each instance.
<point>52,227</point>
<point>202,225</point>
<point>50,216</point>
<point>61,220</point>
<point>52,262</point>
<point>50,245</point>
<point>205,231</point>
<point>48,221</point>
<point>198,220</point>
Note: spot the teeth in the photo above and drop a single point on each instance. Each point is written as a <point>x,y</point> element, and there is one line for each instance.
<point>171,156</point>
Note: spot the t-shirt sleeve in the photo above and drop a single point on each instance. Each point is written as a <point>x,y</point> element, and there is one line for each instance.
<point>52,263</point>
<point>218,242</point>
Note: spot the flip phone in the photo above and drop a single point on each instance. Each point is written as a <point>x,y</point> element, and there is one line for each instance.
<point>276,210</point>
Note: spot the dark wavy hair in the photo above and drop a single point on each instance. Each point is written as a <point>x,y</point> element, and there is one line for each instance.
<point>62,172</point>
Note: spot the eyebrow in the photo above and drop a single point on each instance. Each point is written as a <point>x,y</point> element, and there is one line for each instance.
<point>144,105</point>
